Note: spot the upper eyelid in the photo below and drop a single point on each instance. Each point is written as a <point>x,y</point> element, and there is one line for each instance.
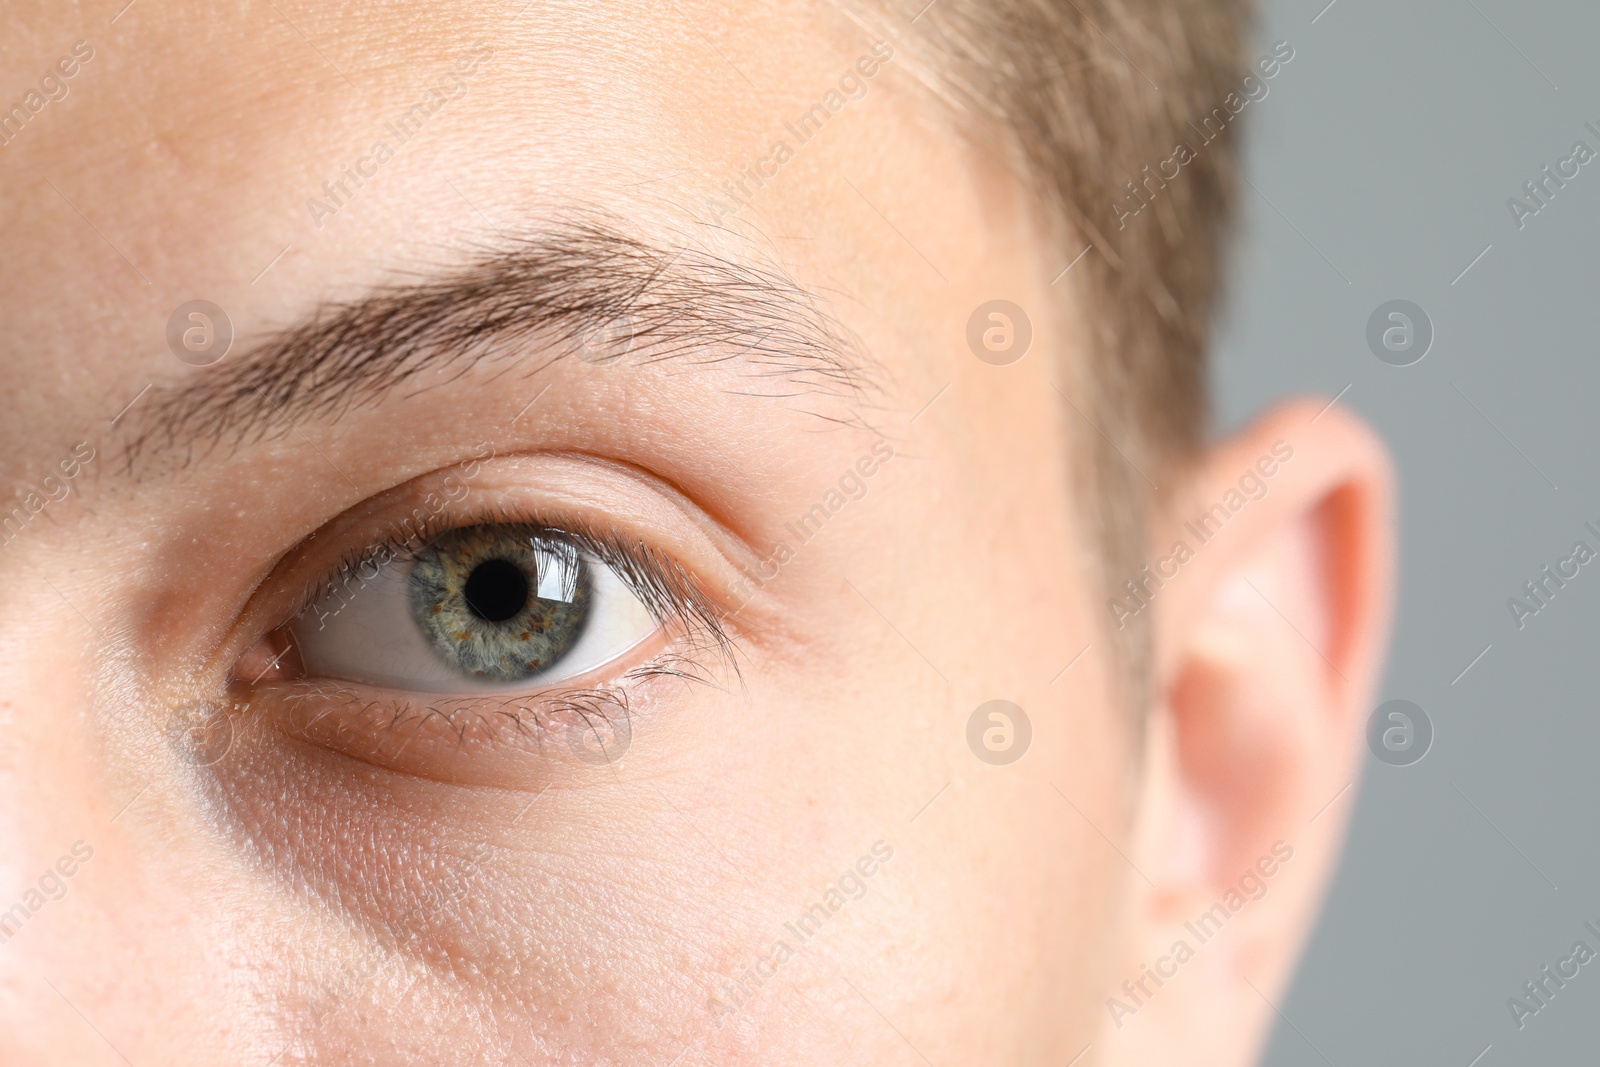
<point>659,574</point>
<point>678,611</point>
<point>566,490</point>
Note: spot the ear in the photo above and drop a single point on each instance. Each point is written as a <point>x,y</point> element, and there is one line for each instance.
<point>1268,597</point>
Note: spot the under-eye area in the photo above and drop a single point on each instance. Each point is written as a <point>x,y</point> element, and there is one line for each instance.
<point>499,740</point>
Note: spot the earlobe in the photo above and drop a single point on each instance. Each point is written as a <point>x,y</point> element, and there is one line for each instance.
<point>1268,643</point>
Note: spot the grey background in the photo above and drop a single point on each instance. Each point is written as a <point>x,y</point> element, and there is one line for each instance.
<point>1386,152</point>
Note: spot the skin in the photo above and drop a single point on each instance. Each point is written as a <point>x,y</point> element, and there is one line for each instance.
<point>325,898</point>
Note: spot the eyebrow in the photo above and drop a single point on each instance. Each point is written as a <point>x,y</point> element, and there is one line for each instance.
<point>561,288</point>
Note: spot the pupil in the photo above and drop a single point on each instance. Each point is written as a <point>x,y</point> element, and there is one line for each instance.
<point>496,590</point>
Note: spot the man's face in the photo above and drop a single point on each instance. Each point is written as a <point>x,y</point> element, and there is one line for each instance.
<point>618,310</point>
<point>532,541</point>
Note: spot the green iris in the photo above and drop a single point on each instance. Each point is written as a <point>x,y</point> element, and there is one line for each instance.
<point>503,601</point>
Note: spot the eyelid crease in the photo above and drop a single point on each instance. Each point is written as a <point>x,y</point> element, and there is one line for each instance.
<point>728,540</point>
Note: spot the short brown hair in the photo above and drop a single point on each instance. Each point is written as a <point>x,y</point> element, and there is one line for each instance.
<point>1084,95</point>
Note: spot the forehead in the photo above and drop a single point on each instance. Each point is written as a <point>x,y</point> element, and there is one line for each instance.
<point>270,87</point>
<point>210,121</point>
<point>269,157</point>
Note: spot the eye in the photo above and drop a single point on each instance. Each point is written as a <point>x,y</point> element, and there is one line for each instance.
<point>496,606</point>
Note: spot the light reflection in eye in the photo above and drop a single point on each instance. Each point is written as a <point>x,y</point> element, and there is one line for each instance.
<point>489,607</point>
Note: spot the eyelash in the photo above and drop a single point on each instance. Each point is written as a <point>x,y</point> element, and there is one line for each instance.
<point>669,594</point>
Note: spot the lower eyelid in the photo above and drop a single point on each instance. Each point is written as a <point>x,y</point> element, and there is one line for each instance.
<point>501,743</point>
<point>561,734</point>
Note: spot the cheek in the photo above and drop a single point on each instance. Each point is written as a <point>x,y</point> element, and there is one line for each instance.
<point>883,732</point>
<point>582,907</point>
